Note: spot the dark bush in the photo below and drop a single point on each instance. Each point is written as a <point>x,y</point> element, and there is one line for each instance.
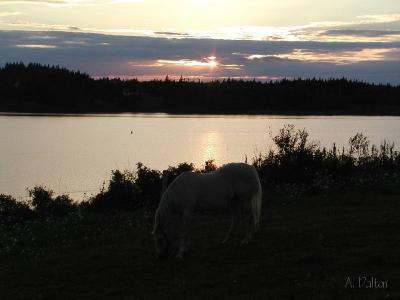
<point>149,183</point>
<point>171,173</point>
<point>12,211</point>
<point>209,166</point>
<point>41,199</point>
<point>45,205</point>
<point>62,205</point>
<point>296,160</point>
<point>122,193</point>
<point>174,172</point>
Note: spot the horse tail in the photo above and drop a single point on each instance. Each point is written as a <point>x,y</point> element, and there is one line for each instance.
<point>256,203</point>
<point>156,222</point>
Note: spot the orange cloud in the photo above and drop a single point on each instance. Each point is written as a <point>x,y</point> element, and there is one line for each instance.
<point>338,57</point>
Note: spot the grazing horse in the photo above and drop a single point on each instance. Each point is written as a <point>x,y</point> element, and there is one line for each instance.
<point>234,186</point>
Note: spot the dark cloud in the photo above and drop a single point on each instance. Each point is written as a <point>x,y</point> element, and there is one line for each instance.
<point>74,28</point>
<point>360,32</point>
<point>102,55</point>
<point>170,33</point>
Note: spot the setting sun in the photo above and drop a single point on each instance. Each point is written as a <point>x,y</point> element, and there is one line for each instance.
<point>212,61</point>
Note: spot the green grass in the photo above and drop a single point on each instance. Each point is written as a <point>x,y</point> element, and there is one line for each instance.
<point>306,249</point>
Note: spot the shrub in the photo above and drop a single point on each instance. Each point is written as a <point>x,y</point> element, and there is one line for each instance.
<point>149,183</point>
<point>209,166</point>
<point>122,193</point>
<point>174,172</point>
<point>62,205</point>
<point>297,160</point>
<point>45,205</point>
<point>359,145</point>
<point>41,199</point>
<point>171,173</point>
<point>12,211</point>
<point>291,142</point>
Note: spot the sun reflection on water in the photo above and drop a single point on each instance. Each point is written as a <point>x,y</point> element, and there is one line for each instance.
<point>209,147</point>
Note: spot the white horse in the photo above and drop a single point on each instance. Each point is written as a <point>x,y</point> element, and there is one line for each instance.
<point>235,186</point>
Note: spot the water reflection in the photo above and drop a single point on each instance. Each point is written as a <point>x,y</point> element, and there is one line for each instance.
<point>210,143</point>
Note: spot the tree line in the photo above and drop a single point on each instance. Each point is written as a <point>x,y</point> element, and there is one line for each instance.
<point>43,88</point>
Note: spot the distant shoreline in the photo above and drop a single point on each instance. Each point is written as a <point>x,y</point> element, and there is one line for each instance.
<point>39,89</point>
<point>354,113</point>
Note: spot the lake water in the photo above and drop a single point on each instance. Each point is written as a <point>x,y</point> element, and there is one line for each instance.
<point>75,154</point>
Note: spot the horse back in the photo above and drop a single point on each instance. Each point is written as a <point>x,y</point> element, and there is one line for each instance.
<point>209,191</point>
<point>243,177</point>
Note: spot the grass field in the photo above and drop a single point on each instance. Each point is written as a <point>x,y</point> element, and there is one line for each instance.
<point>308,248</point>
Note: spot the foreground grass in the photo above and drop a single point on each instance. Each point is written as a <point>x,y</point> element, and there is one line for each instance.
<point>306,249</point>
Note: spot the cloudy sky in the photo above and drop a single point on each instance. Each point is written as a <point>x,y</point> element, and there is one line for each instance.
<point>206,39</point>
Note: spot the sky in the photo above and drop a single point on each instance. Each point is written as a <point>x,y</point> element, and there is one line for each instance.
<point>262,39</point>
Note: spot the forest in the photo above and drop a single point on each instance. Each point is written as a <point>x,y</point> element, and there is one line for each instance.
<point>37,88</point>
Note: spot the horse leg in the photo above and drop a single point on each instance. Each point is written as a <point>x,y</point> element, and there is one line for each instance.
<point>249,225</point>
<point>249,233</point>
<point>228,234</point>
<point>234,222</point>
<point>184,242</point>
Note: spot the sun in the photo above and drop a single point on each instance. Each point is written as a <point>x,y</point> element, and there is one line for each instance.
<point>212,61</point>
<point>213,64</point>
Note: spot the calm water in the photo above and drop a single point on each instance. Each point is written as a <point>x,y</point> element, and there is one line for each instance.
<point>75,154</point>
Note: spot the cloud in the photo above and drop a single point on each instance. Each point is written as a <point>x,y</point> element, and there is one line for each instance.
<point>366,28</point>
<point>48,2</point>
<point>125,1</point>
<point>9,14</point>
<point>69,2</point>
<point>170,34</point>
<point>27,25</point>
<point>361,32</point>
<point>144,57</point>
<point>38,46</point>
<point>206,63</point>
<point>313,31</point>
<point>338,57</point>
<point>373,19</point>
